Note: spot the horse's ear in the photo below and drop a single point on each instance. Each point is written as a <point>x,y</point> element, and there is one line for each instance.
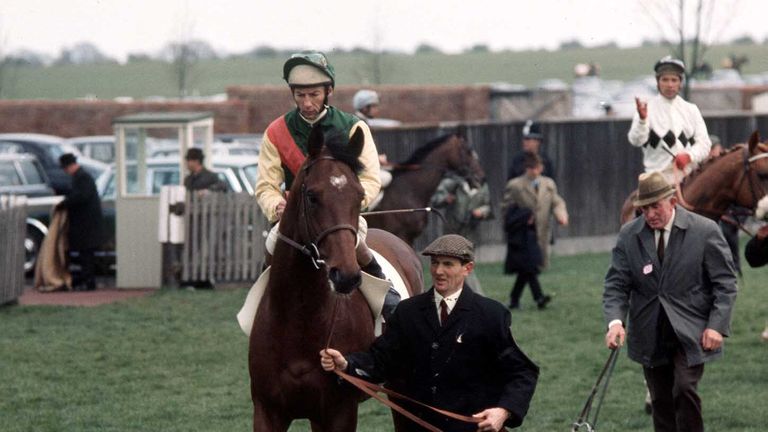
<point>356,142</point>
<point>315,141</point>
<point>754,140</point>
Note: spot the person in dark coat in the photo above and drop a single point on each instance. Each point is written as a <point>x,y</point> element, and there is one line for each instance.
<point>199,177</point>
<point>756,254</point>
<point>672,280</point>
<point>756,251</point>
<point>449,348</point>
<point>85,232</point>
<point>532,139</point>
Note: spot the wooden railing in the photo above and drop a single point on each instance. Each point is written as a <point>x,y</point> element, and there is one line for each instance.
<point>13,215</point>
<point>224,240</point>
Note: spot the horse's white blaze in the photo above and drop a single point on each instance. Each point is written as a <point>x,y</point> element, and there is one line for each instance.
<point>339,181</point>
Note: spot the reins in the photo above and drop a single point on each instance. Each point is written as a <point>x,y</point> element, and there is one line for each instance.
<point>584,420</point>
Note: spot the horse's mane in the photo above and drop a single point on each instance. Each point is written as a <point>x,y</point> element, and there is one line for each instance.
<point>709,161</point>
<point>337,143</point>
<point>426,149</point>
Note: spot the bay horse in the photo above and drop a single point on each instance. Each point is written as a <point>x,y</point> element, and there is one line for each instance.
<point>312,297</point>
<point>415,181</point>
<point>737,177</point>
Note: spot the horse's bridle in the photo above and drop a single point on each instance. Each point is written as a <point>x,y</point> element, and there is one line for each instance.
<point>310,249</point>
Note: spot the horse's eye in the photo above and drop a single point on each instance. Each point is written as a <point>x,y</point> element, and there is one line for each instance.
<point>312,198</point>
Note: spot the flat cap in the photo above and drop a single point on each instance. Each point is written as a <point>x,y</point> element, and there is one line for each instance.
<point>451,245</point>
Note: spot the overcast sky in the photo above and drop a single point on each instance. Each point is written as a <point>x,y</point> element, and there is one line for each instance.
<point>120,27</point>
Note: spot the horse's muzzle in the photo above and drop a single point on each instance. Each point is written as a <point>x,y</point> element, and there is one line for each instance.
<point>344,283</point>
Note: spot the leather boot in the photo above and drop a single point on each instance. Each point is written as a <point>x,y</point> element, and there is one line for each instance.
<point>391,300</point>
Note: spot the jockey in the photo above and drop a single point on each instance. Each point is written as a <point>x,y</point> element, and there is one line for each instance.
<point>366,104</point>
<point>668,128</point>
<point>311,80</point>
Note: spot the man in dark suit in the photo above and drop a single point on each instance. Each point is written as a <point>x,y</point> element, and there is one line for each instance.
<point>85,220</point>
<point>673,275</point>
<point>449,348</point>
<point>532,139</point>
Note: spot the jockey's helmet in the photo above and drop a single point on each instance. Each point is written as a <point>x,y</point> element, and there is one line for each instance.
<point>308,69</point>
<point>363,98</point>
<point>669,64</point>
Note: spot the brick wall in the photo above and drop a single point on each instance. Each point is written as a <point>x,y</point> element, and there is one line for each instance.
<point>75,118</point>
<point>409,104</point>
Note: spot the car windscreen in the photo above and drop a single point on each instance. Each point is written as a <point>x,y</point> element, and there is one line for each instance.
<point>251,173</point>
<point>32,172</point>
<point>8,174</point>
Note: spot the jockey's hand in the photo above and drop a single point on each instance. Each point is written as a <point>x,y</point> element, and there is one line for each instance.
<point>615,332</point>
<point>563,220</point>
<point>280,209</point>
<point>682,160</point>
<point>330,360</point>
<point>642,108</point>
<point>711,340</point>
<point>492,419</point>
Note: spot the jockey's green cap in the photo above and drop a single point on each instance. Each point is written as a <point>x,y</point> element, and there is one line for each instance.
<point>308,69</point>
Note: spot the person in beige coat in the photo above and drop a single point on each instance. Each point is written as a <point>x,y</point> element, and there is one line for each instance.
<point>538,193</point>
<point>534,197</point>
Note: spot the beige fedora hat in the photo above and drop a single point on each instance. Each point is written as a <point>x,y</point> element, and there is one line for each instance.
<point>652,187</point>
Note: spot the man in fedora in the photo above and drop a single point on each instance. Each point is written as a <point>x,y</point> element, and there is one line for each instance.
<point>449,348</point>
<point>672,278</point>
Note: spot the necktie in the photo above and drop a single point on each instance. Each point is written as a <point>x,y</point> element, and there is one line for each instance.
<point>443,312</point>
<point>660,247</point>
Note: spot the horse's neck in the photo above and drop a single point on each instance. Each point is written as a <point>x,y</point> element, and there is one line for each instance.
<point>712,191</point>
<point>424,181</point>
<point>294,284</point>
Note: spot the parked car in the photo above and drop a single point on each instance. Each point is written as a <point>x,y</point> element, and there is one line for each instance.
<point>218,149</point>
<point>22,174</point>
<point>239,174</point>
<point>98,147</point>
<point>47,149</point>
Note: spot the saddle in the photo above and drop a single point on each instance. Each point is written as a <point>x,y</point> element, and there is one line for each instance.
<point>373,289</point>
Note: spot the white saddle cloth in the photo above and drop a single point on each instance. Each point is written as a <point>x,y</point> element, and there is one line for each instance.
<point>374,290</point>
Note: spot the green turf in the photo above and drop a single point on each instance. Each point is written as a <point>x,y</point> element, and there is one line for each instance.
<point>152,78</point>
<point>176,361</point>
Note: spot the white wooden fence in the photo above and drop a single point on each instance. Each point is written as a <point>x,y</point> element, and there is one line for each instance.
<point>13,215</point>
<point>224,240</point>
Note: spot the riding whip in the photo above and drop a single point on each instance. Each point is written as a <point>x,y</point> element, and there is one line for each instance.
<point>584,420</point>
<point>413,210</point>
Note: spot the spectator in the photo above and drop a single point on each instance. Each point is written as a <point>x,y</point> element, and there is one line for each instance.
<point>668,128</point>
<point>464,208</point>
<point>367,107</point>
<point>756,251</point>
<point>529,201</point>
<point>85,232</point>
<point>199,177</point>
<point>449,348</point>
<point>532,139</point>
<point>672,279</point>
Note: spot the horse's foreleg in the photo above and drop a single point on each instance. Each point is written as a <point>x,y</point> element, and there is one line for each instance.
<point>263,421</point>
<point>342,418</point>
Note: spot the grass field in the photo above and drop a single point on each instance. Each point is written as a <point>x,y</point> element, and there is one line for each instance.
<point>523,67</point>
<point>176,361</point>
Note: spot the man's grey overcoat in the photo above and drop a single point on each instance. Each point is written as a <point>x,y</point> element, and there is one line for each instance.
<point>696,285</point>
